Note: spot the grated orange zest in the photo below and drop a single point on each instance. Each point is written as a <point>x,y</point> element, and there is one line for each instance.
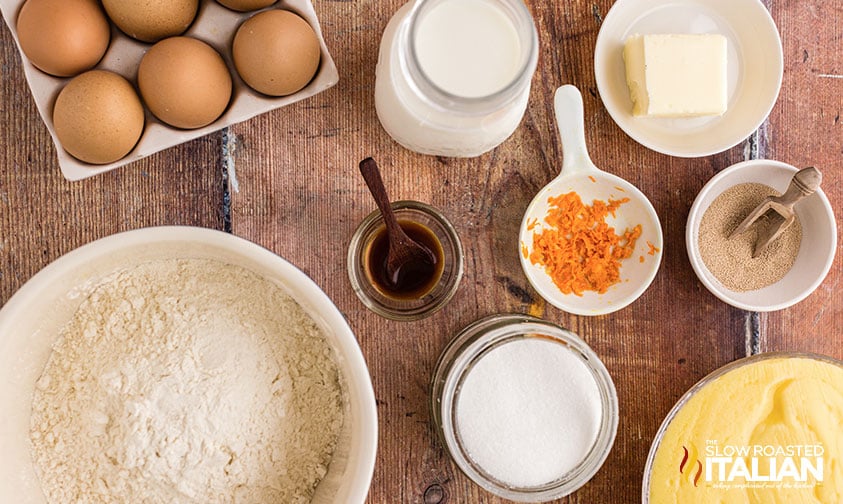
<point>579,250</point>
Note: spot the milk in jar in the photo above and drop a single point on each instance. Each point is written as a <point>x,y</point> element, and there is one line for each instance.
<point>453,76</point>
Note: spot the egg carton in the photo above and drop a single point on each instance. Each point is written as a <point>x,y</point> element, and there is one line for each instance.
<point>215,25</point>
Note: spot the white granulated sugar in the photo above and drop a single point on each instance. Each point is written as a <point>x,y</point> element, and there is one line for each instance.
<point>186,381</point>
<point>528,412</point>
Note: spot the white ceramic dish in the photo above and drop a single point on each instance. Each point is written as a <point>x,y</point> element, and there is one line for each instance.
<point>816,253</point>
<point>215,25</point>
<point>579,174</point>
<point>31,319</point>
<point>755,67</point>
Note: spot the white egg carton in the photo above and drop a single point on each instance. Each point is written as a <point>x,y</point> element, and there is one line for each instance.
<point>215,25</point>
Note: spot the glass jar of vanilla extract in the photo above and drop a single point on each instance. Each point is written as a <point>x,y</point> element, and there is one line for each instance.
<point>417,296</point>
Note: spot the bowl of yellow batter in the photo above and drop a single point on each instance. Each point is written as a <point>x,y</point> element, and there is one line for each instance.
<point>764,429</point>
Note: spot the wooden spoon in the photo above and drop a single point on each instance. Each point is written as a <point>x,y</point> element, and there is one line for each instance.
<point>405,259</point>
<point>775,213</point>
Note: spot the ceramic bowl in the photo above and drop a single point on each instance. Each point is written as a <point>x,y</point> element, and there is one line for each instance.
<point>31,320</point>
<point>816,253</point>
<point>754,70</point>
<point>579,175</point>
<point>726,407</point>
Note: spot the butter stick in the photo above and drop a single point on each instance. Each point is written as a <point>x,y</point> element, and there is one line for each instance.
<point>673,75</point>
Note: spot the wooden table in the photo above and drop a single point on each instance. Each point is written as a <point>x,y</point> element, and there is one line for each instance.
<point>299,194</point>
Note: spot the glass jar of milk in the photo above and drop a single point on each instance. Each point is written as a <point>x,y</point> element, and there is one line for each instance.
<point>453,76</point>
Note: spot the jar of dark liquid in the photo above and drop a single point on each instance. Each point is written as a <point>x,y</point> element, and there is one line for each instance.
<point>415,296</point>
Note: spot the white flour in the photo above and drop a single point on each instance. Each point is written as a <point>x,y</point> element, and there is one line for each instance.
<point>186,381</point>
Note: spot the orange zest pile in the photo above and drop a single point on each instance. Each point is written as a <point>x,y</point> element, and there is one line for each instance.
<point>579,250</point>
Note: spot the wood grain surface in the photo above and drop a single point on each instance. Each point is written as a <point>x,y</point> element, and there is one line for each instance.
<point>294,188</point>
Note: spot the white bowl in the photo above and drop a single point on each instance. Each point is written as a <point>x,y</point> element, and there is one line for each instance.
<point>730,408</point>
<point>32,318</point>
<point>579,175</point>
<point>816,253</point>
<point>754,69</point>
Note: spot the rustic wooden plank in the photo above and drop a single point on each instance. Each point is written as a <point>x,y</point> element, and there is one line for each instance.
<point>301,196</point>
<point>652,358</point>
<point>43,216</point>
<point>806,129</point>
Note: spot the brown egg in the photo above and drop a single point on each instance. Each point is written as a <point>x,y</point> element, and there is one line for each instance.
<point>246,5</point>
<point>63,37</point>
<point>276,52</point>
<point>98,117</point>
<point>184,82</point>
<point>151,20</point>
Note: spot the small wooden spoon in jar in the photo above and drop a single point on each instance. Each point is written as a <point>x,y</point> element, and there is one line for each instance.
<point>407,261</point>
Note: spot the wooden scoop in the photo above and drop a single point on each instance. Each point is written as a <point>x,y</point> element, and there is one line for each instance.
<point>775,213</point>
<point>406,261</point>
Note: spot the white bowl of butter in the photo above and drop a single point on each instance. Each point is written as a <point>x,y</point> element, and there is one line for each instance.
<point>753,63</point>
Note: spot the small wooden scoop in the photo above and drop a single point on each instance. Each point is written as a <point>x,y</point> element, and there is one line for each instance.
<point>406,260</point>
<point>775,213</point>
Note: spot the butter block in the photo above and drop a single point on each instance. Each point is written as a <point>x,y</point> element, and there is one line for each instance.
<point>676,75</point>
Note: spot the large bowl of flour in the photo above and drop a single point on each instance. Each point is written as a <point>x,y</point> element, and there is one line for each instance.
<point>180,364</point>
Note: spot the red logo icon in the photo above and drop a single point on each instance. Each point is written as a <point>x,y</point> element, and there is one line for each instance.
<point>684,462</point>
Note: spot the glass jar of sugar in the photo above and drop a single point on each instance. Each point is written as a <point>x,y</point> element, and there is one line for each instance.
<point>524,407</point>
<point>453,76</point>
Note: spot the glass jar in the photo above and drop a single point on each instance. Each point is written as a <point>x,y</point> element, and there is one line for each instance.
<point>401,308</point>
<point>462,355</point>
<point>424,112</point>
<point>743,411</point>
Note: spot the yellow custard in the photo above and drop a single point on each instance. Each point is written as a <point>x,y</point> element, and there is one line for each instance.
<point>769,431</point>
